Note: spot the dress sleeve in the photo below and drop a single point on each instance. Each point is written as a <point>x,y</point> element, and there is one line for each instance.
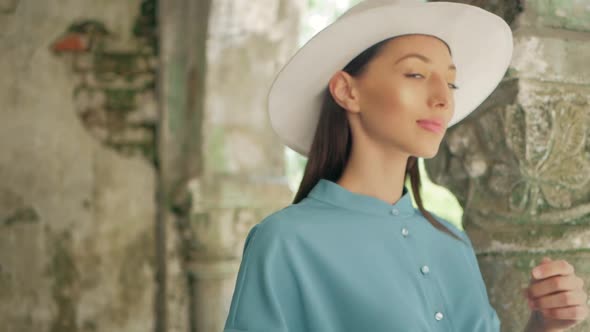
<point>259,301</point>
<point>473,258</point>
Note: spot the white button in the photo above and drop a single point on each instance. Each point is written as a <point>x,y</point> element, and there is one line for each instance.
<point>405,232</point>
<point>425,269</point>
<point>438,316</point>
<point>395,212</point>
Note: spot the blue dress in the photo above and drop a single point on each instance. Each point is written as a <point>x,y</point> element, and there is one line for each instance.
<point>339,261</point>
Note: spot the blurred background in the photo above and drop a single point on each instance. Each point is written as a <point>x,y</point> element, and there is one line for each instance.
<point>136,154</point>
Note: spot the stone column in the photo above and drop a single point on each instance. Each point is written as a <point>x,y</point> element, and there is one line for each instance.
<point>520,164</point>
<point>222,166</point>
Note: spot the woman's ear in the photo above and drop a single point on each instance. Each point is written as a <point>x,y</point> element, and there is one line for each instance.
<point>344,91</point>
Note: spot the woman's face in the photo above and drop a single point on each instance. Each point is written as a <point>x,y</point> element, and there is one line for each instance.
<point>406,85</point>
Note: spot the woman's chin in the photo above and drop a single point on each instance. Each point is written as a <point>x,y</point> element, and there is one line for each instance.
<point>426,153</point>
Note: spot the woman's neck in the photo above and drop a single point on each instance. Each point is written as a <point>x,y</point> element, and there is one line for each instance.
<point>375,173</point>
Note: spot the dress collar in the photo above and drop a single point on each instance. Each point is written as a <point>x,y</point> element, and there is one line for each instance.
<point>333,193</point>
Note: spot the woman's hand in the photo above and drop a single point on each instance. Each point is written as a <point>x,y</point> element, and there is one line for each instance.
<point>556,296</point>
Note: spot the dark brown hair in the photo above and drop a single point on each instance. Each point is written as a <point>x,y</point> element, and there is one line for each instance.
<point>332,142</point>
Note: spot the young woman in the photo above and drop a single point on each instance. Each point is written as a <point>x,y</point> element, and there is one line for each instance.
<point>363,100</point>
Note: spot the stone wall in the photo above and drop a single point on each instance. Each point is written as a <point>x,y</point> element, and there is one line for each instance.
<point>130,177</point>
<point>520,164</point>
<point>77,172</point>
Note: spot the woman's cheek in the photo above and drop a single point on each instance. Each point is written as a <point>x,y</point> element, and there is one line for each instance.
<point>407,99</point>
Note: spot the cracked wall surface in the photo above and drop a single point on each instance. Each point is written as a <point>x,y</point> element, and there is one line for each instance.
<point>76,213</point>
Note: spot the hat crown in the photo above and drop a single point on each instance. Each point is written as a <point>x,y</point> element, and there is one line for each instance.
<point>366,5</point>
<point>481,52</point>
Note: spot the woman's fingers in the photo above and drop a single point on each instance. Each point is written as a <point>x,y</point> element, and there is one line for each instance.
<point>562,299</point>
<point>555,284</point>
<point>552,268</point>
<point>576,313</point>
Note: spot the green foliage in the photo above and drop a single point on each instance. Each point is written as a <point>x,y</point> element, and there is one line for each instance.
<point>438,199</point>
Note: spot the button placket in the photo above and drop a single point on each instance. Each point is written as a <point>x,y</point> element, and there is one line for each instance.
<point>405,232</point>
<point>438,315</point>
<point>423,261</point>
<point>425,269</point>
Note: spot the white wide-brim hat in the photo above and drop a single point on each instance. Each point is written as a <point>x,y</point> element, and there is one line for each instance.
<point>480,43</point>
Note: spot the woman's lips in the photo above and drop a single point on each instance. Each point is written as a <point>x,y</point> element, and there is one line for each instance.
<point>431,126</point>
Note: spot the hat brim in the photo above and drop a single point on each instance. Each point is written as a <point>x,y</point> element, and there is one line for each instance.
<point>480,42</point>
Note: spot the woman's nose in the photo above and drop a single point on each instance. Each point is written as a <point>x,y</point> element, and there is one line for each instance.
<point>440,93</point>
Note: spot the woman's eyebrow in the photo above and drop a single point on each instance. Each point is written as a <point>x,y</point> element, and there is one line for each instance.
<point>423,58</point>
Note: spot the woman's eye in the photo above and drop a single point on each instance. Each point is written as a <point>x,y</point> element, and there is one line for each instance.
<point>414,75</point>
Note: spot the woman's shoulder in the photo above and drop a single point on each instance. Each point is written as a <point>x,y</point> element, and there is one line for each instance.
<point>295,215</point>
<point>292,221</point>
<point>278,228</point>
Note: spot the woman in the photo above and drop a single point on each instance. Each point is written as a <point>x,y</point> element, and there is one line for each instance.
<point>352,253</point>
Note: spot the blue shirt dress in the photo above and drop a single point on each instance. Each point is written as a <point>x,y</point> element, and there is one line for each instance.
<point>340,261</point>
